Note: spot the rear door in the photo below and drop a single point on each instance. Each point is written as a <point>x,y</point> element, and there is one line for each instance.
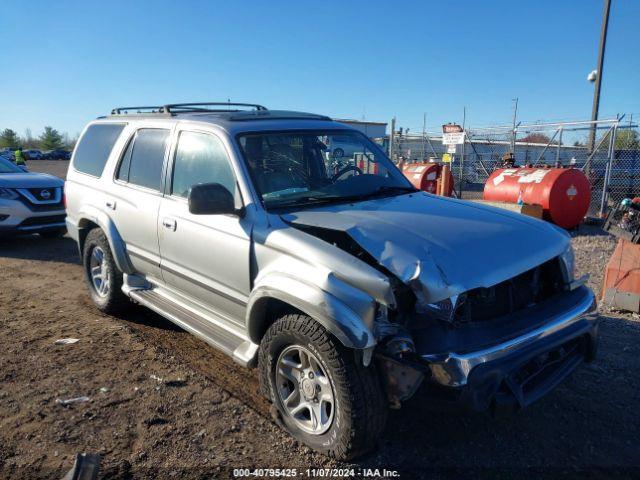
<point>136,194</point>
<point>205,257</point>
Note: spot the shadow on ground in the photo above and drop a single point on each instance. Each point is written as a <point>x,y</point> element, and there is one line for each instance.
<point>34,247</point>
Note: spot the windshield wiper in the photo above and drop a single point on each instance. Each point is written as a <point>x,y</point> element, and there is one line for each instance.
<point>320,199</point>
<point>384,189</point>
<point>306,200</point>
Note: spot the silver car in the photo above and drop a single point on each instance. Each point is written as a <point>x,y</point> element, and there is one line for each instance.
<point>349,291</point>
<point>30,202</point>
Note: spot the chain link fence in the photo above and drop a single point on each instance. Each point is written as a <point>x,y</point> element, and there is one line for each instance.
<point>612,164</point>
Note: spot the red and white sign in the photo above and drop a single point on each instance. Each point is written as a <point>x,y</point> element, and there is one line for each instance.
<point>452,134</point>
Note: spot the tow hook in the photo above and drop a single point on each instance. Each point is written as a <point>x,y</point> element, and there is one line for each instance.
<point>401,375</point>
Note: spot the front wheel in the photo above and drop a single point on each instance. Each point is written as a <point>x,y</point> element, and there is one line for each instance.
<point>323,394</point>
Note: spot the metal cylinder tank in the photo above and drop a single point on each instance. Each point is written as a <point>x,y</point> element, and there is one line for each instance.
<point>426,176</point>
<point>563,193</point>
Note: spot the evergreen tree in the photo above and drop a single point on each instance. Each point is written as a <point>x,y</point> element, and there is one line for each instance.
<point>51,139</point>
<point>9,138</point>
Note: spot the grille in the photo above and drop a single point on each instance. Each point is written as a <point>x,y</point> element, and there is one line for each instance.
<point>43,194</point>
<point>45,207</point>
<point>525,290</point>
<point>39,195</point>
<point>33,221</point>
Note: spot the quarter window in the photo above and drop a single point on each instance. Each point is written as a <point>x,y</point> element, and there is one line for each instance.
<point>142,161</point>
<point>200,158</point>
<point>95,146</point>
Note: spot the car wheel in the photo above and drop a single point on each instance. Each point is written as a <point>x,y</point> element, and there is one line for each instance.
<point>102,275</point>
<point>323,395</point>
<point>54,233</point>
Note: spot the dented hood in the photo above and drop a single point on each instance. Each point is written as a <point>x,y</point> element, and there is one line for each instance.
<point>438,246</point>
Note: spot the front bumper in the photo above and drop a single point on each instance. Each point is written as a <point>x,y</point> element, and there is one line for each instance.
<point>16,218</point>
<point>518,371</point>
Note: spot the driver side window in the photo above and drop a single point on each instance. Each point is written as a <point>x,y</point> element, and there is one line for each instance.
<point>200,158</point>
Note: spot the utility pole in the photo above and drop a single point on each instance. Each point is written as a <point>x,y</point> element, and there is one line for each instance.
<point>596,92</point>
<point>392,138</point>
<point>513,132</point>
<point>461,174</point>
<point>424,134</point>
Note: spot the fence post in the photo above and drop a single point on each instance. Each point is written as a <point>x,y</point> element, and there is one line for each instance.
<point>607,173</point>
<point>559,144</point>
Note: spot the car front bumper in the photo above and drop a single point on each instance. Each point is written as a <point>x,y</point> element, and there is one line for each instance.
<point>16,218</point>
<point>518,371</point>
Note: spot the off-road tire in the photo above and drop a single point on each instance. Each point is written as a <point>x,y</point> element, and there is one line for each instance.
<point>58,233</point>
<point>360,403</point>
<point>115,301</point>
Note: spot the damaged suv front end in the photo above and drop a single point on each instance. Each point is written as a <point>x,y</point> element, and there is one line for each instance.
<point>477,305</point>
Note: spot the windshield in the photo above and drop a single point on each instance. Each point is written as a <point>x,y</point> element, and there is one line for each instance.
<point>8,167</point>
<point>311,167</point>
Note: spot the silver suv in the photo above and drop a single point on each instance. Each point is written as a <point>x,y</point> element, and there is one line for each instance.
<point>30,202</point>
<point>348,289</point>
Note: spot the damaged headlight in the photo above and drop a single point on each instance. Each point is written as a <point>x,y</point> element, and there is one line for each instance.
<point>569,263</point>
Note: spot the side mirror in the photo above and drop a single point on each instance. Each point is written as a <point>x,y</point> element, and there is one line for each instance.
<point>211,199</point>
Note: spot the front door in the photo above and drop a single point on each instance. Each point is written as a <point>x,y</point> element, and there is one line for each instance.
<point>204,257</point>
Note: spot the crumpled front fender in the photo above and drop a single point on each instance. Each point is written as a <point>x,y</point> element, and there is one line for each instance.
<point>345,311</point>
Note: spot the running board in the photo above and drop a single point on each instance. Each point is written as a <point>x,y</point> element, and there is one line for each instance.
<point>235,345</point>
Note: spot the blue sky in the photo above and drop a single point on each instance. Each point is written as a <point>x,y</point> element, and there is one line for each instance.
<point>66,62</point>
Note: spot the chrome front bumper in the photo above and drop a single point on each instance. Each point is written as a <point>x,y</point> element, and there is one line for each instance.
<point>454,369</point>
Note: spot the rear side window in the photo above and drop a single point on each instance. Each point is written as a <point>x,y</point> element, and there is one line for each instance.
<point>95,146</point>
<point>142,161</point>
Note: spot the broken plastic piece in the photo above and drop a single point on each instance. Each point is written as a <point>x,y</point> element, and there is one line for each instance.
<point>65,341</point>
<point>67,401</point>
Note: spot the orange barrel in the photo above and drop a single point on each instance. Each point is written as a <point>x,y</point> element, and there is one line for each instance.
<point>366,166</point>
<point>563,193</point>
<point>425,176</point>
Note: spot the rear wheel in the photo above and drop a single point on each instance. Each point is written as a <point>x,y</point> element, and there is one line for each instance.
<point>323,394</point>
<point>102,275</point>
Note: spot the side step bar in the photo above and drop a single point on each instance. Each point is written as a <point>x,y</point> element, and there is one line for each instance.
<point>240,348</point>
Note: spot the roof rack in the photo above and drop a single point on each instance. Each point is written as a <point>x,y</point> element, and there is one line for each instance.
<point>204,107</point>
<point>134,110</point>
<point>174,108</point>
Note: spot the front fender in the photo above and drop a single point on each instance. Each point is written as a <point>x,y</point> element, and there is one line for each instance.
<point>346,312</point>
<point>117,245</point>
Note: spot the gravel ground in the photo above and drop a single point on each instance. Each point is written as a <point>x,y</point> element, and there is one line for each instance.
<point>162,404</point>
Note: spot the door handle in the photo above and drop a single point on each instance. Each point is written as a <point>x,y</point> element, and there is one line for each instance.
<point>111,204</point>
<point>169,223</point>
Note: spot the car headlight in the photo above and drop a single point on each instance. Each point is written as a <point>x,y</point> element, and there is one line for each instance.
<point>8,194</point>
<point>569,262</point>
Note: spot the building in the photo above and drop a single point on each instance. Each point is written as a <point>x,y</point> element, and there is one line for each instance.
<point>370,129</point>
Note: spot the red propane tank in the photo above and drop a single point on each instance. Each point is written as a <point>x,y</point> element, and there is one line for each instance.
<point>563,193</point>
<point>426,176</point>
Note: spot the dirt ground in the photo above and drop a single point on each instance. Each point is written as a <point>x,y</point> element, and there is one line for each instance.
<point>163,404</point>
